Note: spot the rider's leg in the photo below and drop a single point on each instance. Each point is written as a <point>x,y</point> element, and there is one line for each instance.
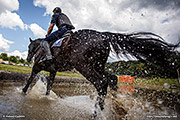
<point>54,36</point>
<point>60,32</point>
<point>46,47</point>
<point>47,50</point>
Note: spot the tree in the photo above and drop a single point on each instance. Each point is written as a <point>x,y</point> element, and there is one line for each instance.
<point>4,56</point>
<point>22,61</point>
<point>13,59</point>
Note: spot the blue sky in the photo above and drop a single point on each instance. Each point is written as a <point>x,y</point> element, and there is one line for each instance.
<point>29,14</point>
<point>21,19</point>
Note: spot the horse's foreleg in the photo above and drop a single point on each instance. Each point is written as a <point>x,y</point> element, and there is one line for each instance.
<point>33,75</point>
<point>50,82</point>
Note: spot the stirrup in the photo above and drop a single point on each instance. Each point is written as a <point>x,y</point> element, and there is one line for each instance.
<point>49,57</point>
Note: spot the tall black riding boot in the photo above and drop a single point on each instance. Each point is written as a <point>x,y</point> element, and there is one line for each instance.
<point>46,48</point>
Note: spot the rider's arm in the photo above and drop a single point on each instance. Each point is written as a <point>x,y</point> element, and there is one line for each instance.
<point>50,29</point>
<point>53,22</point>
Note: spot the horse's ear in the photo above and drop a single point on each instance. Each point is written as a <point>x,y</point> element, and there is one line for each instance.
<point>30,39</point>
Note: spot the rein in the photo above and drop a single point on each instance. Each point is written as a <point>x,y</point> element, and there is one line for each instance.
<point>37,49</point>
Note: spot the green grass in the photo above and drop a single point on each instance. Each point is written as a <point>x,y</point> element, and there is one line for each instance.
<point>153,83</point>
<point>14,68</point>
<point>27,70</point>
<point>157,81</point>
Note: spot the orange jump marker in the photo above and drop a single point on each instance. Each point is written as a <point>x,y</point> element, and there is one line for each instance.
<point>126,79</point>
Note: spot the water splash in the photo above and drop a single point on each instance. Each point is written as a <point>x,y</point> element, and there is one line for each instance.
<point>38,91</point>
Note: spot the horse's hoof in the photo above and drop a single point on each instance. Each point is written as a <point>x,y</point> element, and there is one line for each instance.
<point>94,115</point>
<point>23,93</point>
<point>47,93</point>
<point>24,90</point>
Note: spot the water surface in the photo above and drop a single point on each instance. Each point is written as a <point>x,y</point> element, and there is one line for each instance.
<point>76,102</point>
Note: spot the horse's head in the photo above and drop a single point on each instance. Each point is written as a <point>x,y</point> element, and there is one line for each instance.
<point>32,48</point>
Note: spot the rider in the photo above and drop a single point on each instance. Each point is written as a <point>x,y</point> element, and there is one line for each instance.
<point>63,23</point>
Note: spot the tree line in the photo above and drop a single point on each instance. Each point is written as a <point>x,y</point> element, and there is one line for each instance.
<point>13,59</point>
<point>146,69</point>
<point>139,69</point>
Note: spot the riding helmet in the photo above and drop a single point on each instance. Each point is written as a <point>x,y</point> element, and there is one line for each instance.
<point>57,9</point>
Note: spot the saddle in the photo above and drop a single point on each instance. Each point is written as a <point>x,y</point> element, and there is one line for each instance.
<point>60,43</point>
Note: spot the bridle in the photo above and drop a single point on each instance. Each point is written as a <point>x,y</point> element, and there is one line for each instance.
<point>35,51</point>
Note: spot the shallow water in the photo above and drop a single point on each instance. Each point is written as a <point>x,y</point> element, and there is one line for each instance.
<point>36,105</point>
<point>140,105</point>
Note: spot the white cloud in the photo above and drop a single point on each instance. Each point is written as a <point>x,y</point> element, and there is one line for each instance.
<point>37,30</point>
<point>121,15</point>
<point>4,44</point>
<point>11,20</point>
<point>8,19</point>
<point>8,5</point>
<point>18,53</point>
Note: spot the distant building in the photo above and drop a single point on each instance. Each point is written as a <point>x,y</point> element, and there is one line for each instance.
<point>4,62</point>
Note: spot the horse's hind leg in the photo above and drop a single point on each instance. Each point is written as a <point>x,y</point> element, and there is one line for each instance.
<point>50,82</point>
<point>98,81</point>
<point>112,80</point>
<point>101,85</point>
<point>34,72</point>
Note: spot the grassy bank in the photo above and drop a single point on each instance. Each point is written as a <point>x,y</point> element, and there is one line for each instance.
<point>157,81</point>
<point>157,84</point>
<point>27,70</point>
<point>149,83</point>
<point>14,68</point>
<point>154,84</point>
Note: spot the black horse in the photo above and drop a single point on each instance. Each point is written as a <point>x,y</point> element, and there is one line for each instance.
<point>88,50</point>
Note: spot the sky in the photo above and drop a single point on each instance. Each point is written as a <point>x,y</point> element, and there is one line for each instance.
<point>22,19</point>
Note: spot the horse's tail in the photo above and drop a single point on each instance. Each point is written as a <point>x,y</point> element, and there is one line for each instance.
<point>145,47</point>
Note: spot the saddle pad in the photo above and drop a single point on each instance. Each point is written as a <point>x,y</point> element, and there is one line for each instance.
<point>57,43</point>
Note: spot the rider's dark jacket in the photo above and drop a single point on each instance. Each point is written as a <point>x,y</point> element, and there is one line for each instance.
<point>63,23</point>
<point>60,19</point>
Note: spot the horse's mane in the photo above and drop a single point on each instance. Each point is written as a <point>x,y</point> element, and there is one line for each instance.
<point>38,41</point>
